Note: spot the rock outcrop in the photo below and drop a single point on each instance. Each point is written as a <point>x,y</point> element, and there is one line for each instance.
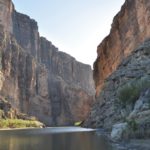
<point>125,96</point>
<point>121,71</point>
<point>130,28</point>
<point>38,79</point>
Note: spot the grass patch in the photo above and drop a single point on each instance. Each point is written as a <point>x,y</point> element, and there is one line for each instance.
<point>19,123</point>
<point>130,92</point>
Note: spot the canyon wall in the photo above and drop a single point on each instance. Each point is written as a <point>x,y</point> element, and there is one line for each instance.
<point>129,29</point>
<point>37,78</point>
<point>125,96</point>
<point>121,71</point>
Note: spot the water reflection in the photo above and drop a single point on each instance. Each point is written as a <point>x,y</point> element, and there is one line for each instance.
<point>42,140</point>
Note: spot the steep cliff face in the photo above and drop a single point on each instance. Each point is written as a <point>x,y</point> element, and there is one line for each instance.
<point>38,79</point>
<point>121,71</point>
<point>6,9</point>
<point>130,28</point>
<point>126,94</point>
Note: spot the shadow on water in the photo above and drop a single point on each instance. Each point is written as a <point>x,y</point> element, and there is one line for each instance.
<point>52,139</point>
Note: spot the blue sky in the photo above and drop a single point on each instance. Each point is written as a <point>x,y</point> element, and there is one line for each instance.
<point>74,26</point>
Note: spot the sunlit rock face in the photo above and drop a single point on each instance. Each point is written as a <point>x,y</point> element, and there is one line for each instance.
<point>129,29</point>
<point>123,58</point>
<point>38,79</point>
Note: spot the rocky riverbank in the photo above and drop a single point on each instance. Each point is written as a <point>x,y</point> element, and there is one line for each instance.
<point>134,144</point>
<point>124,143</point>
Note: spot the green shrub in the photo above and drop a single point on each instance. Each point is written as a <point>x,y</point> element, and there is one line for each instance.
<point>130,92</point>
<point>133,125</point>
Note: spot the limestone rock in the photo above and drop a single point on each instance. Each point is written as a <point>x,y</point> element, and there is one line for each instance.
<point>130,28</point>
<point>6,9</point>
<point>108,109</point>
<point>42,81</point>
<point>141,105</point>
<point>118,130</point>
<point>123,56</point>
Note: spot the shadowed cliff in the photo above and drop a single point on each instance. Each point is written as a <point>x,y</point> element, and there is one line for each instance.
<point>36,77</point>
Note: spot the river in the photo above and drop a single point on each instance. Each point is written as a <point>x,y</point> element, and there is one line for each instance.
<point>61,138</point>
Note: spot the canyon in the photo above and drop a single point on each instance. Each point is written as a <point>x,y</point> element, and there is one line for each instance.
<point>121,75</point>
<point>39,80</point>
<point>36,78</point>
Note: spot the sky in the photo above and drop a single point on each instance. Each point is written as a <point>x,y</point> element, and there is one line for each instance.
<point>74,26</point>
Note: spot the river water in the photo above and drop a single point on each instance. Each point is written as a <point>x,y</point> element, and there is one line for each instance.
<point>62,138</point>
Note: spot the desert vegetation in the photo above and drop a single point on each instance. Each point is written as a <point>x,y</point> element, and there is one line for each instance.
<point>130,92</point>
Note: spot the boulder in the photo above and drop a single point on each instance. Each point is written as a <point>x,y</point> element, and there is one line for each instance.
<point>118,131</point>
